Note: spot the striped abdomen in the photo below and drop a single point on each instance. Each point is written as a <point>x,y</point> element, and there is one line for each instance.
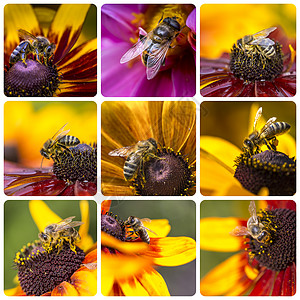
<point>131,165</point>
<point>69,140</point>
<point>276,128</point>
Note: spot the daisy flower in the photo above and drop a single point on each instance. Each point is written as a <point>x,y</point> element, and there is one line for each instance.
<point>263,266</point>
<point>56,273</point>
<point>230,171</point>
<point>121,26</point>
<point>70,69</point>
<point>128,264</point>
<point>172,171</point>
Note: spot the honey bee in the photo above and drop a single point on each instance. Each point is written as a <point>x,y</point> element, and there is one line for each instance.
<point>254,227</point>
<point>267,135</point>
<point>40,46</point>
<point>54,235</point>
<point>58,143</point>
<point>136,155</point>
<point>138,229</point>
<point>258,43</point>
<point>154,46</point>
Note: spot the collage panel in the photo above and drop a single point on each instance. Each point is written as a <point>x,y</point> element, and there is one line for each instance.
<point>248,248</point>
<point>50,50</point>
<point>148,248</point>
<point>248,148</point>
<point>50,148</point>
<point>50,248</point>
<point>148,148</point>
<point>248,50</point>
<point>148,50</point>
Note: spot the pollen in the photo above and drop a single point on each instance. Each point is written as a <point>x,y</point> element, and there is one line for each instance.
<point>31,80</point>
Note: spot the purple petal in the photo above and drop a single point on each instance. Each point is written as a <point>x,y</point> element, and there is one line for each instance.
<point>191,20</point>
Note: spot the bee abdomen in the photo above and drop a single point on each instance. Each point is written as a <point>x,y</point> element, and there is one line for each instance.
<point>69,140</point>
<point>144,236</point>
<point>278,128</point>
<point>129,169</point>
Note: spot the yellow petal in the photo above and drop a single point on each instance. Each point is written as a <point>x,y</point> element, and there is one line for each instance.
<point>161,227</point>
<point>132,287</point>
<point>42,214</point>
<point>172,251</point>
<point>215,234</point>
<point>85,282</point>
<point>107,281</point>
<point>227,278</point>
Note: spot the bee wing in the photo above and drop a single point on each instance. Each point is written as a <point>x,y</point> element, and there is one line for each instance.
<point>66,220</point>
<point>262,42</point>
<point>257,117</point>
<point>156,59</point>
<point>269,122</point>
<point>252,210</point>
<point>239,231</point>
<point>137,48</point>
<point>263,33</point>
<point>122,152</point>
<point>25,35</point>
<point>147,220</point>
<point>60,134</point>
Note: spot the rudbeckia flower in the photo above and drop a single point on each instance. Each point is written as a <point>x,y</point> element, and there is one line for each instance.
<point>71,70</point>
<point>262,267</point>
<point>56,273</point>
<point>171,125</point>
<point>121,26</point>
<point>236,74</point>
<point>227,170</point>
<point>128,265</point>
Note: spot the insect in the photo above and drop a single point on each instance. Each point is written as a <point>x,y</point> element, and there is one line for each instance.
<point>54,235</point>
<point>57,144</point>
<point>40,46</point>
<point>258,43</point>
<point>267,135</point>
<point>138,229</point>
<point>136,156</point>
<point>154,46</point>
<point>254,227</point>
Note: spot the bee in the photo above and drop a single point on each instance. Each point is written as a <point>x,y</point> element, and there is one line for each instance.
<point>254,227</point>
<point>58,143</point>
<point>154,45</point>
<point>258,43</point>
<point>54,235</point>
<point>138,229</point>
<point>267,135</point>
<point>136,155</point>
<point>40,46</point>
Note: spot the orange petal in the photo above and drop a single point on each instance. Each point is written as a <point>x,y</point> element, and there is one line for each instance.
<point>105,206</point>
<point>172,251</point>
<point>85,282</point>
<point>228,278</point>
<point>64,289</point>
<point>160,226</point>
<point>132,287</point>
<point>215,234</point>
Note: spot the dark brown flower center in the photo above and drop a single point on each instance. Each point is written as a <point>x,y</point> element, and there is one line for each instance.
<point>271,169</point>
<point>31,80</point>
<point>77,163</point>
<point>167,175</point>
<point>40,271</point>
<point>280,251</point>
<point>255,62</point>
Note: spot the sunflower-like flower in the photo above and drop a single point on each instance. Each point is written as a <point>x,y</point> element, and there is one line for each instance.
<point>127,265</point>
<point>66,272</point>
<point>121,26</point>
<point>239,75</point>
<point>262,267</point>
<point>229,171</point>
<point>172,169</point>
<point>69,70</point>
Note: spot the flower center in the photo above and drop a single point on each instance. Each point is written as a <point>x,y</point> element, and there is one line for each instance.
<point>167,175</point>
<point>30,80</point>
<point>271,169</point>
<point>77,163</point>
<point>114,226</point>
<point>254,62</point>
<point>280,251</point>
<point>40,271</point>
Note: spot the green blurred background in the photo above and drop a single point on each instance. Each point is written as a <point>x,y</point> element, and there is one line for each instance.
<point>20,229</point>
<point>220,208</point>
<point>181,214</point>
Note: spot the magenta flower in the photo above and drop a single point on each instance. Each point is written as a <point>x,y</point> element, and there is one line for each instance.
<point>121,25</point>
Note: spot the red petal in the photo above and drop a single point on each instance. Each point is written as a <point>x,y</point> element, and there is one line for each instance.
<point>264,285</point>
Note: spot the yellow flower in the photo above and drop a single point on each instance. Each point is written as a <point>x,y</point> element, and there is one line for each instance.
<point>172,125</point>
<point>128,264</point>
<point>68,272</point>
<point>219,155</point>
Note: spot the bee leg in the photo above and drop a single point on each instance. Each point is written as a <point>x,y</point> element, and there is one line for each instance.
<point>161,18</point>
<point>23,58</point>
